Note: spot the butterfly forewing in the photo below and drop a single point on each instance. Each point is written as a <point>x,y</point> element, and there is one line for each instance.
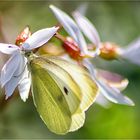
<point>54,89</point>
<point>49,100</point>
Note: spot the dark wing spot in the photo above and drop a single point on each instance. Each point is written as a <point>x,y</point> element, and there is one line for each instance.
<point>66,90</point>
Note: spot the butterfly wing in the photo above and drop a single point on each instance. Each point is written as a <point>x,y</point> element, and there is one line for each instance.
<point>53,98</point>
<point>78,120</point>
<point>50,102</point>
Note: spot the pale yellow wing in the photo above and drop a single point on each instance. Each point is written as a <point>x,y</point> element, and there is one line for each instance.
<point>78,120</point>
<point>49,101</point>
<point>87,85</point>
<point>68,86</point>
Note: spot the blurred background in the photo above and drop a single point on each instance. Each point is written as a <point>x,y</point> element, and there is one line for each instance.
<point>116,22</point>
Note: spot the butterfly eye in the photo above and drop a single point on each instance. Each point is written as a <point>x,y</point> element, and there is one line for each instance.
<point>66,90</point>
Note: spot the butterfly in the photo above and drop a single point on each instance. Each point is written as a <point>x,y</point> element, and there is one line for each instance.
<point>62,92</point>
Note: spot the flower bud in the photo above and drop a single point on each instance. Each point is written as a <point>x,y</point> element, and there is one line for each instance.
<point>23,36</point>
<point>109,51</point>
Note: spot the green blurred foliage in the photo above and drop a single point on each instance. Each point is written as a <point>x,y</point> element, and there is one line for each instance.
<point>117,22</point>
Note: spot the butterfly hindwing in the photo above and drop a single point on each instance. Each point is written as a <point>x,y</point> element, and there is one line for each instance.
<point>62,93</point>
<point>78,120</point>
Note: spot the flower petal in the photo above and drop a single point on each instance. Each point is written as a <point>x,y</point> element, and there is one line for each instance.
<point>112,94</point>
<point>82,8</point>
<point>24,85</point>
<point>102,101</point>
<point>8,48</point>
<point>113,79</point>
<point>71,27</point>
<point>11,85</point>
<point>14,81</point>
<point>39,38</point>
<point>9,68</point>
<point>132,52</point>
<point>88,28</point>
<point>65,20</point>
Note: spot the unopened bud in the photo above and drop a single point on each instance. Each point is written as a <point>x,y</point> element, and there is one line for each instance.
<point>23,36</point>
<point>109,51</point>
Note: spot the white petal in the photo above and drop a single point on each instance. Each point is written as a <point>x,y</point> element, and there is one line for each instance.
<point>11,85</point>
<point>88,28</point>
<point>102,101</point>
<point>71,27</point>
<point>8,48</point>
<point>82,8</point>
<point>39,38</point>
<point>110,93</point>
<point>24,85</point>
<point>9,68</point>
<point>132,52</point>
<point>113,94</point>
<point>65,20</point>
<point>14,81</point>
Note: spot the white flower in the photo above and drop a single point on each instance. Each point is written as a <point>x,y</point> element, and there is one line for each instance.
<point>111,93</point>
<point>131,52</point>
<point>15,72</point>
